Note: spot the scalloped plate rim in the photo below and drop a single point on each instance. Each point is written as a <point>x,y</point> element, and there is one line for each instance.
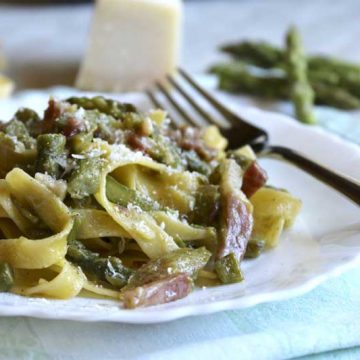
<point>162,315</point>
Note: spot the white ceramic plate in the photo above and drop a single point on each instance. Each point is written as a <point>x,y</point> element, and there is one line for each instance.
<point>324,242</point>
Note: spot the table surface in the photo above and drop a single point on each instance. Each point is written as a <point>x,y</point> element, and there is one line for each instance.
<point>44,46</point>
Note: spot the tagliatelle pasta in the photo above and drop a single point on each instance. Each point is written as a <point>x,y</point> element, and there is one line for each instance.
<point>28,253</point>
<point>141,226</point>
<point>67,283</point>
<point>98,197</point>
<point>93,223</point>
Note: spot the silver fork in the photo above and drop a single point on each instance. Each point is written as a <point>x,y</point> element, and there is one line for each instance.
<point>241,132</point>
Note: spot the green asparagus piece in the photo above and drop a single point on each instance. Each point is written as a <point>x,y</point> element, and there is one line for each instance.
<point>30,118</point>
<point>163,150</point>
<point>185,260</point>
<point>194,163</point>
<point>18,130</point>
<point>133,121</point>
<point>236,77</point>
<point>13,154</point>
<point>26,115</point>
<point>85,179</point>
<point>254,249</point>
<point>158,147</point>
<point>301,92</point>
<point>207,204</point>
<point>51,154</point>
<point>102,126</point>
<point>6,277</point>
<point>81,142</point>
<point>147,137</point>
<point>109,269</point>
<point>122,195</point>
<point>243,161</point>
<point>105,106</point>
<point>228,269</point>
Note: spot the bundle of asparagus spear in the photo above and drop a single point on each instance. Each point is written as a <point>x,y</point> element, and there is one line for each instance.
<point>288,73</point>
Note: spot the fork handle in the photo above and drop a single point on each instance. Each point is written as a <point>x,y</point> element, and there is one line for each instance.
<point>349,188</point>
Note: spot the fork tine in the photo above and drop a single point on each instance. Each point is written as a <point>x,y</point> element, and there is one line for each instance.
<point>175,104</point>
<point>157,104</point>
<point>229,115</point>
<point>205,115</point>
<point>152,98</point>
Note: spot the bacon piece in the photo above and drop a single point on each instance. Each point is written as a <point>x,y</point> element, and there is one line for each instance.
<point>50,115</point>
<point>236,227</point>
<point>236,220</point>
<point>189,138</point>
<point>158,292</point>
<point>72,127</point>
<point>255,177</point>
<point>138,143</point>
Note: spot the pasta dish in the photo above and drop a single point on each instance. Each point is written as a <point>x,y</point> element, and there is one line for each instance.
<point>100,199</point>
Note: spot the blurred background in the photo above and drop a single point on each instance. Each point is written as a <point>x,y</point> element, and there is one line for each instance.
<point>44,44</point>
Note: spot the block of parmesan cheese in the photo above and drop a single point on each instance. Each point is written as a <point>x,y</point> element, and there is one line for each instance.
<point>2,59</point>
<point>6,87</point>
<point>132,43</point>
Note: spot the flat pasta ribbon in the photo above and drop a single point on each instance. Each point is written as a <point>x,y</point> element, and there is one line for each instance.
<point>11,210</point>
<point>11,157</point>
<point>177,228</point>
<point>25,253</point>
<point>93,223</point>
<point>142,227</point>
<point>67,284</point>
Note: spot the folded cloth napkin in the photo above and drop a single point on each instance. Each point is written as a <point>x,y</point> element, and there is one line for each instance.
<point>328,318</point>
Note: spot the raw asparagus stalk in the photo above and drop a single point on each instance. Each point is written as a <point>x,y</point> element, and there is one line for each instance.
<point>236,77</point>
<point>260,54</point>
<point>335,96</point>
<point>322,69</point>
<point>266,55</point>
<point>302,93</point>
